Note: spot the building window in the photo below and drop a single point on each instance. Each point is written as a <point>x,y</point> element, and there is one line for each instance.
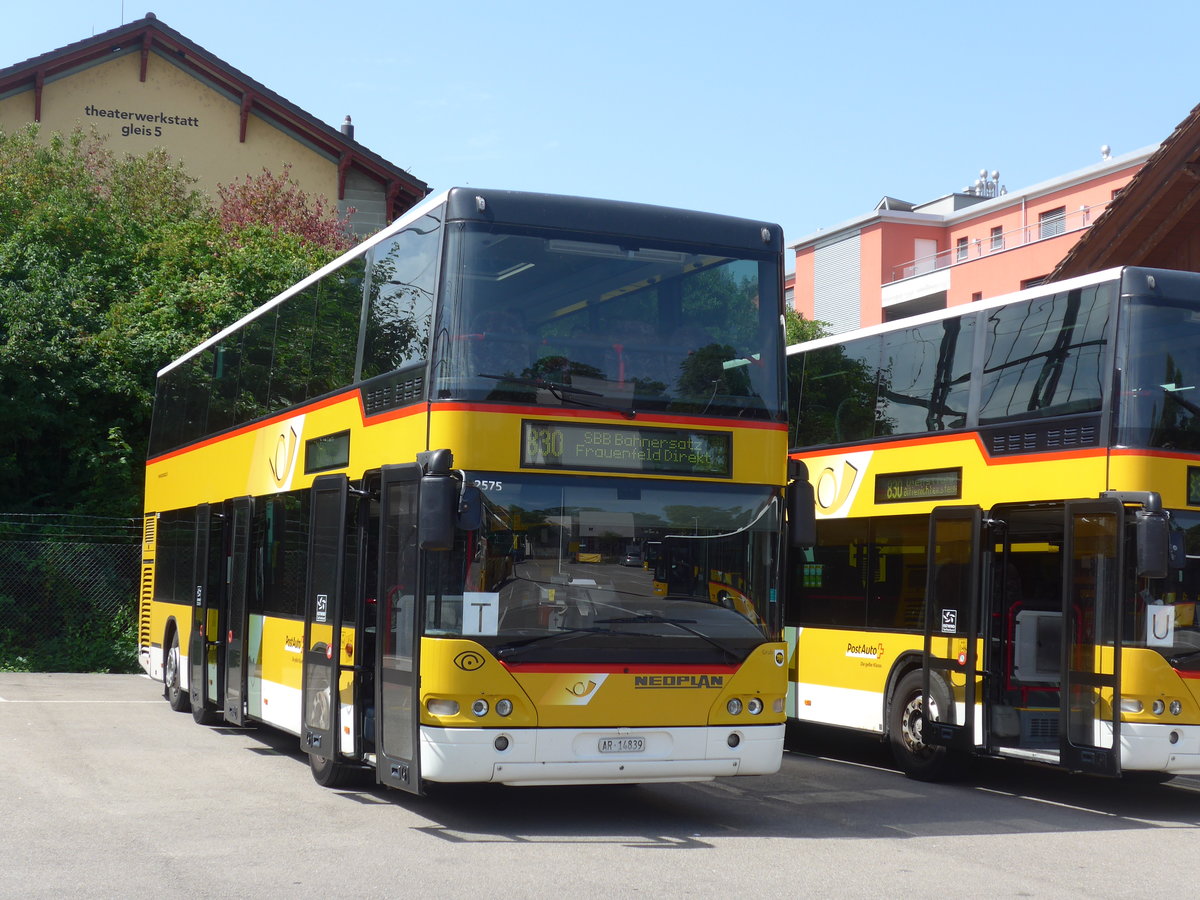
<point>960,250</point>
<point>1052,223</point>
<point>1033,282</point>
<point>977,296</point>
<point>997,239</point>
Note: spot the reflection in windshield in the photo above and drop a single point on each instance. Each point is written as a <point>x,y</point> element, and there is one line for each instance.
<point>560,570</point>
<point>1162,612</point>
<point>1160,392</point>
<point>554,322</point>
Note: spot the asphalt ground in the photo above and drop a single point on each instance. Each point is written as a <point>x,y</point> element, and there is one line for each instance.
<point>105,792</point>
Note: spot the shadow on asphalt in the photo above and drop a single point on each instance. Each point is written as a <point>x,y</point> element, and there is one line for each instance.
<point>833,784</point>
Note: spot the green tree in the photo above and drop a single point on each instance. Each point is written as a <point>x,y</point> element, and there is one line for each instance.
<point>73,220</point>
<point>798,329</point>
<point>109,268</point>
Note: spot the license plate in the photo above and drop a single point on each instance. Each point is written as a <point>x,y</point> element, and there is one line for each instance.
<point>622,744</point>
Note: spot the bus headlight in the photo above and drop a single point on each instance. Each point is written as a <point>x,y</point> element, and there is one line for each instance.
<point>754,706</point>
<point>480,708</point>
<point>1176,707</point>
<point>734,706</point>
<point>1131,705</point>
<point>1157,707</point>
<point>439,707</point>
<point>503,707</point>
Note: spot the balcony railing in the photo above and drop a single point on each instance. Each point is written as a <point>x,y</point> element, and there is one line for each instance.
<point>1042,230</point>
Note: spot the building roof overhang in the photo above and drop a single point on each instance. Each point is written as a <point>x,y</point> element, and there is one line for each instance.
<point>1162,199</point>
<point>149,35</point>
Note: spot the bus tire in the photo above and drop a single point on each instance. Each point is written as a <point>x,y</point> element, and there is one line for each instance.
<point>176,696</point>
<point>330,774</point>
<point>915,758</point>
<point>1145,778</point>
<point>205,716</point>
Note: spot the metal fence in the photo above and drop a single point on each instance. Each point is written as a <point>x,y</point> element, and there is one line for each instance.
<point>68,593</point>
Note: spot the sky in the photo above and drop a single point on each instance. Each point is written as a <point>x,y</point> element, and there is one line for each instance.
<point>800,113</point>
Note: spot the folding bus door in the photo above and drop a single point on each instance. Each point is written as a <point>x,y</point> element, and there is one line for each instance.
<point>1089,730</point>
<point>205,671</point>
<point>238,563</point>
<point>400,612</point>
<point>323,617</point>
<point>951,663</point>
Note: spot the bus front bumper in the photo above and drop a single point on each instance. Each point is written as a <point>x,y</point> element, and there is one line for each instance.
<point>1160,748</point>
<point>573,756</point>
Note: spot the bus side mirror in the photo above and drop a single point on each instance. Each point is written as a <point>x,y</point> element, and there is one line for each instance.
<point>438,499</point>
<point>1152,531</point>
<point>1177,550</point>
<point>801,506</point>
<point>470,508</point>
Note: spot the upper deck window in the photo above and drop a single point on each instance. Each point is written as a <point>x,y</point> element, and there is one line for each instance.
<point>1046,357</point>
<point>551,318</point>
<point>1160,375</point>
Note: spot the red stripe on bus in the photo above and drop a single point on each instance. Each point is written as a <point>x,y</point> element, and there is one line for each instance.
<point>957,438</point>
<point>619,668</point>
<point>1162,454</point>
<point>542,413</point>
<point>254,426</point>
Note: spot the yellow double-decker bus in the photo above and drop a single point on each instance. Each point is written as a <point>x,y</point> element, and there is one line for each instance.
<point>387,510</point>
<point>1008,529</point>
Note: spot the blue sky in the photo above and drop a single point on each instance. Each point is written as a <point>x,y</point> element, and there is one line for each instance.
<point>800,113</point>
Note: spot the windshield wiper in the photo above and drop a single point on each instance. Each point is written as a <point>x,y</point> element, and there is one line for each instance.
<point>1182,658</point>
<point>562,633</point>
<point>563,393</point>
<point>681,624</point>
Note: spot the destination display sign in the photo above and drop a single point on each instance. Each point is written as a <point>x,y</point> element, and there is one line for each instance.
<point>1193,486</point>
<point>626,448</point>
<point>906,487</point>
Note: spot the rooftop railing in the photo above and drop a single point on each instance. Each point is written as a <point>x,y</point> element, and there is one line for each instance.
<point>1044,229</point>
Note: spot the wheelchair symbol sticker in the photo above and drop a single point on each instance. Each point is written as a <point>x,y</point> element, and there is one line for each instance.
<point>949,621</point>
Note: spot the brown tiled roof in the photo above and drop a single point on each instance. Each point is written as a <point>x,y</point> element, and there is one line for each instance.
<point>1152,216</point>
<point>143,34</point>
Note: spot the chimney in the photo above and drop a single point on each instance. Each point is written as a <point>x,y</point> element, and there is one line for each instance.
<point>348,129</point>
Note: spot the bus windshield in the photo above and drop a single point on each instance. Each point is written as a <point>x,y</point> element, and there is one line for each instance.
<point>1161,612</point>
<point>564,319</point>
<point>1160,392</point>
<point>547,577</point>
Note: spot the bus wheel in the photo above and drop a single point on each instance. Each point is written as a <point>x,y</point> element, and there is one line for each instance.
<point>176,696</point>
<point>916,758</point>
<point>205,716</point>
<point>330,774</point>
<point>1143,777</point>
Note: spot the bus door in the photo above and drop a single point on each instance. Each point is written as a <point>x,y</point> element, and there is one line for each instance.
<point>206,674</point>
<point>238,513</point>
<point>1089,731</point>
<point>321,694</point>
<point>398,639</point>
<point>950,662</point>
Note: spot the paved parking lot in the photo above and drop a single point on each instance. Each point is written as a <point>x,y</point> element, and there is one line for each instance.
<point>108,793</point>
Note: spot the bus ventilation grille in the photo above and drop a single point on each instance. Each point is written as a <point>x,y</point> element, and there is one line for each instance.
<point>1071,437</point>
<point>391,394</point>
<point>1043,439</point>
<point>147,594</point>
<point>149,532</point>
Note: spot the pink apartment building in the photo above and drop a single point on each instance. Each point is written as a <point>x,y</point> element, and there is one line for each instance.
<point>902,259</point>
<point>1140,209</point>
